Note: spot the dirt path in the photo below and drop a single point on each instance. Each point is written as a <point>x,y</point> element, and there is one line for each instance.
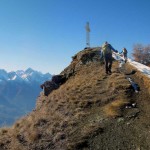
<point>130,132</point>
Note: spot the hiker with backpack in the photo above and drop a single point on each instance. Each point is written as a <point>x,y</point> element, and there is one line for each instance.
<point>124,52</point>
<point>106,54</point>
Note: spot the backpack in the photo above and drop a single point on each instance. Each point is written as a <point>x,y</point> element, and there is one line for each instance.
<point>124,50</point>
<point>106,49</point>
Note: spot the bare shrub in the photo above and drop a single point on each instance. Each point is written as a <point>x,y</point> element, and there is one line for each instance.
<point>141,54</point>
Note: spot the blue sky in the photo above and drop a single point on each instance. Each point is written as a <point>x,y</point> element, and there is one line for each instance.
<point>44,34</point>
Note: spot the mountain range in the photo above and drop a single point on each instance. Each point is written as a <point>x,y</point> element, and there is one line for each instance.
<point>18,91</point>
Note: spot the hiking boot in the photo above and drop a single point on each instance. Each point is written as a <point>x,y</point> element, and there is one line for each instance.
<point>110,71</point>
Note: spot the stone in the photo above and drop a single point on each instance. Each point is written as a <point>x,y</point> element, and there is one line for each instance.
<point>121,119</point>
<point>48,87</point>
<point>58,79</point>
<point>132,113</point>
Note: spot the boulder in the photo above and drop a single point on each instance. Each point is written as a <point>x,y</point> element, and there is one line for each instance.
<point>59,79</point>
<point>48,87</point>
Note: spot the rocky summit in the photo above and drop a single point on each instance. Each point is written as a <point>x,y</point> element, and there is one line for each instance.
<point>89,111</point>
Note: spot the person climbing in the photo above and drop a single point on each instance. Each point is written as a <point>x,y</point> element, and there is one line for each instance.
<point>124,52</point>
<point>106,54</point>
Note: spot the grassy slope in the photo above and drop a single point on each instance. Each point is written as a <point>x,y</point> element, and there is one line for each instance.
<point>87,112</point>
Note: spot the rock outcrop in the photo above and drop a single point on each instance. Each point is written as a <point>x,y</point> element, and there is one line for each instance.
<point>49,86</point>
<point>84,57</point>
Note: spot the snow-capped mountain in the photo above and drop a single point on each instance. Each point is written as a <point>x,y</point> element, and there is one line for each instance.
<point>18,92</point>
<point>28,75</point>
<point>3,75</point>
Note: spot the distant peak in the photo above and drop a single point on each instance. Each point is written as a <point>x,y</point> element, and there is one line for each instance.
<point>2,70</point>
<point>29,70</point>
<point>19,71</point>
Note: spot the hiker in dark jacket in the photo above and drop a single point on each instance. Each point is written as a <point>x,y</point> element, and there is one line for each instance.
<point>124,52</point>
<point>107,50</point>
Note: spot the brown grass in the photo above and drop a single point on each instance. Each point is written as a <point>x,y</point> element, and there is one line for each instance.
<point>145,80</point>
<point>33,135</point>
<point>114,109</point>
<point>87,131</point>
<point>4,131</point>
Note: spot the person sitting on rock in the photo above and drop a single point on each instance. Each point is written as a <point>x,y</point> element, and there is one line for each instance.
<point>106,53</point>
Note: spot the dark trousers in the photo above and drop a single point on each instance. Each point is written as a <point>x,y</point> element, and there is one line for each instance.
<point>108,63</point>
<point>125,56</point>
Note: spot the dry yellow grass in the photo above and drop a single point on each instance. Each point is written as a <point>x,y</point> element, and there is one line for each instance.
<point>114,108</point>
<point>33,135</point>
<point>145,80</point>
<point>4,131</point>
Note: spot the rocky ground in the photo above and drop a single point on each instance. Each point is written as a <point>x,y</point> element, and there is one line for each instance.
<point>90,111</point>
<point>131,131</point>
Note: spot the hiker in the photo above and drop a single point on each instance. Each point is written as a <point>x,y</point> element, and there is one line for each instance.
<point>106,53</point>
<point>124,52</point>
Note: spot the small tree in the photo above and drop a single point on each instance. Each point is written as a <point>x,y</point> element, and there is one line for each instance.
<point>141,54</point>
<point>147,55</point>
